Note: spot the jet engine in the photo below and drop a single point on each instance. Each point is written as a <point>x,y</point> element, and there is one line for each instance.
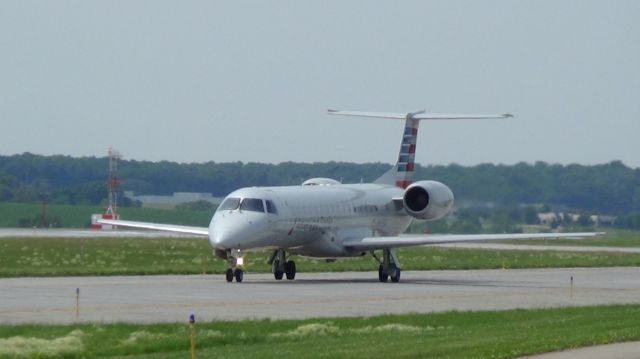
<point>428,200</point>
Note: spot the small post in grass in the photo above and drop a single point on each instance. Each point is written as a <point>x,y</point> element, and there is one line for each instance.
<point>571,287</point>
<point>192,325</point>
<point>77,303</point>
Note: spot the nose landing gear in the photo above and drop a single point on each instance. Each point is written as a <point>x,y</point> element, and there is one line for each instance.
<point>236,273</point>
<point>236,263</point>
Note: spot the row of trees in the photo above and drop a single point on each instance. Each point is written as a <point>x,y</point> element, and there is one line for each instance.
<point>611,188</point>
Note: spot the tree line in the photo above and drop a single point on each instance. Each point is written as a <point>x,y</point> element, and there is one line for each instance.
<point>611,188</point>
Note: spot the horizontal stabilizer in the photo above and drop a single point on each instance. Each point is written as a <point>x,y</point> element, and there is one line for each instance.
<point>373,243</point>
<point>199,231</point>
<point>419,115</point>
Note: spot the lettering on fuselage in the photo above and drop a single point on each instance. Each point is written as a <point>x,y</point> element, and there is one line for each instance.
<point>312,224</point>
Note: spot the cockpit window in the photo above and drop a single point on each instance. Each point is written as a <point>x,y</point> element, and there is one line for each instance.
<point>271,207</point>
<point>229,204</point>
<point>252,204</point>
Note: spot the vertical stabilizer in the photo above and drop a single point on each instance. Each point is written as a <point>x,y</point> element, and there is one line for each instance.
<point>401,174</point>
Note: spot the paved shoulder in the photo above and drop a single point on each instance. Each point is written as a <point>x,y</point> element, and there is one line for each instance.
<point>84,233</point>
<point>538,247</point>
<point>630,350</point>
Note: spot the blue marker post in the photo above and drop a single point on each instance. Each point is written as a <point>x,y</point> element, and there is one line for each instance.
<point>192,325</point>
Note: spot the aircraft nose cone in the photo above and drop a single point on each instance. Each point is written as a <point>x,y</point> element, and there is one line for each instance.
<point>221,235</point>
<point>217,237</point>
<point>235,232</point>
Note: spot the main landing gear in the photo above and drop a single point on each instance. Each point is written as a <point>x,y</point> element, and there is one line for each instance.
<point>389,266</point>
<point>236,264</point>
<point>280,266</point>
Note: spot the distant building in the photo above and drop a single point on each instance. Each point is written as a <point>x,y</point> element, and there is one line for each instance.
<point>548,218</point>
<point>603,220</point>
<point>175,199</point>
<point>599,220</point>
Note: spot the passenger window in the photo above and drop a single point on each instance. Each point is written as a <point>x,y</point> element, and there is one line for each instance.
<point>252,204</point>
<point>271,207</point>
<point>229,204</point>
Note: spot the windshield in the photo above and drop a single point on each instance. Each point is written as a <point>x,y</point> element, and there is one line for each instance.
<point>252,204</point>
<point>229,204</point>
<point>271,207</point>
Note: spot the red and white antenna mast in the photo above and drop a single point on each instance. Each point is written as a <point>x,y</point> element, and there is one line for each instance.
<point>114,183</point>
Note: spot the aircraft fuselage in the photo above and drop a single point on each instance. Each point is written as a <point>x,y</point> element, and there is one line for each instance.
<point>311,220</point>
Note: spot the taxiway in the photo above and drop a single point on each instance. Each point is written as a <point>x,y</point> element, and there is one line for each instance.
<point>172,298</point>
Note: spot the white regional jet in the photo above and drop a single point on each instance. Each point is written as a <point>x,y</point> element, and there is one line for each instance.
<point>327,219</point>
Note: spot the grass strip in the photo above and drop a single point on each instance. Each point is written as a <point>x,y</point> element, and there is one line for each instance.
<point>489,334</point>
<point>140,256</point>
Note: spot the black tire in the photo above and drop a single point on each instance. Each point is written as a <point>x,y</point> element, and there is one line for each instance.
<point>383,276</point>
<point>278,275</point>
<point>239,274</point>
<point>290,269</point>
<point>229,275</point>
<point>395,278</point>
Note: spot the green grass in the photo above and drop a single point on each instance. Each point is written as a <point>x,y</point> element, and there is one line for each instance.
<point>129,256</point>
<point>502,334</point>
<point>79,216</point>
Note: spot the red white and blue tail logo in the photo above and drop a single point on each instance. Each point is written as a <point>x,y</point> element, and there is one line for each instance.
<point>407,157</point>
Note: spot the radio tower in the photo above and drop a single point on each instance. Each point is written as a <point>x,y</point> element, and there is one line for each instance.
<point>114,185</point>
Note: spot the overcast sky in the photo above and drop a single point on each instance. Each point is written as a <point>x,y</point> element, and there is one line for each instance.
<point>196,81</point>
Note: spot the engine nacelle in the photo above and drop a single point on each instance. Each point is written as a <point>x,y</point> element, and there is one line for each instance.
<point>428,200</point>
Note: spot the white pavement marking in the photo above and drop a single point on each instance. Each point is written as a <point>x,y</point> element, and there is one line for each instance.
<point>530,247</point>
<point>171,298</point>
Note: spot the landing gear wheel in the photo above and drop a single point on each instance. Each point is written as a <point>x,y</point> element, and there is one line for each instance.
<point>276,265</point>
<point>278,274</point>
<point>239,274</point>
<point>229,275</point>
<point>383,276</point>
<point>290,269</point>
<point>395,277</point>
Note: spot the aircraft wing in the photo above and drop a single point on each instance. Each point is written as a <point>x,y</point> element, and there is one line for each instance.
<point>372,243</point>
<point>199,231</point>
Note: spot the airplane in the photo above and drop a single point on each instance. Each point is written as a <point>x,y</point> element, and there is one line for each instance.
<point>326,219</point>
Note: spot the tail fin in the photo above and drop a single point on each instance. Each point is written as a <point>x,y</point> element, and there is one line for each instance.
<point>401,174</point>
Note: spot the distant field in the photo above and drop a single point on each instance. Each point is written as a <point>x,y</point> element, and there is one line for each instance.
<point>502,334</point>
<point>129,256</point>
<point>79,216</point>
